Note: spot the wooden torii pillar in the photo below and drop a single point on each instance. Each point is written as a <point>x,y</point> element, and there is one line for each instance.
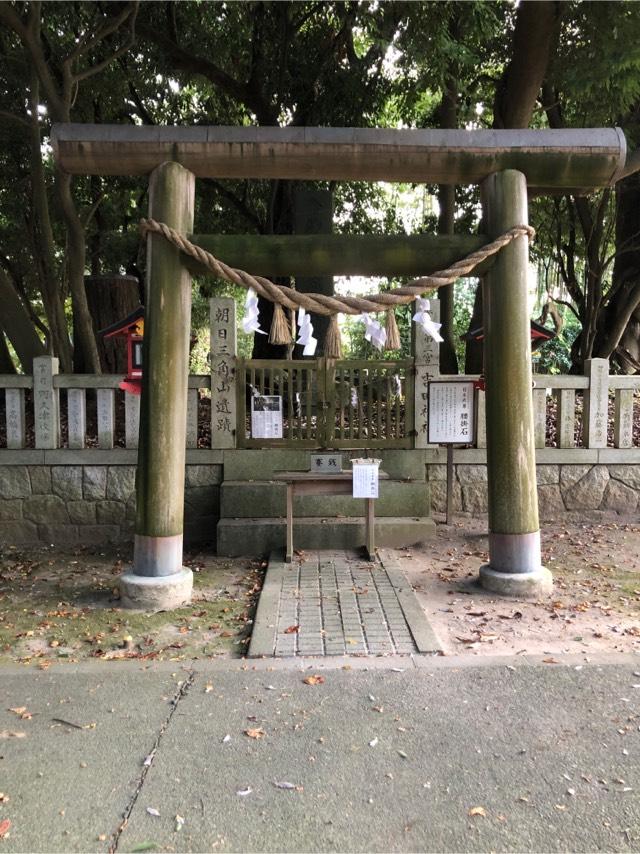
<point>503,162</point>
<point>515,566</point>
<point>157,579</point>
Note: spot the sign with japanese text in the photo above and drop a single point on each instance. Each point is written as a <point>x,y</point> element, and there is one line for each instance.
<point>365,480</point>
<point>223,372</point>
<point>451,413</point>
<point>266,416</point>
<point>326,463</point>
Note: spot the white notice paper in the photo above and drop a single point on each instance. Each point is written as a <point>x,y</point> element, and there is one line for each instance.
<point>451,412</point>
<point>365,481</point>
<point>266,416</point>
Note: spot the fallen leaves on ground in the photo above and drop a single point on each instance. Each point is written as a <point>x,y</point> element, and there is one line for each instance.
<point>5,826</point>
<point>5,733</point>
<point>255,732</point>
<point>22,713</point>
<point>314,680</point>
<point>477,811</point>
<point>291,630</point>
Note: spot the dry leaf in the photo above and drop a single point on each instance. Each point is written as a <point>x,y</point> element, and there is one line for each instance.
<point>292,630</point>
<point>550,661</point>
<point>478,811</point>
<point>256,732</point>
<point>313,680</point>
<point>244,792</point>
<point>208,688</point>
<point>285,785</point>
<point>4,827</point>
<point>3,798</point>
<point>561,807</point>
<point>5,733</point>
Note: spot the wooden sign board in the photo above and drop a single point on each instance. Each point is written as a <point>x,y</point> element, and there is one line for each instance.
<point>451,413</point>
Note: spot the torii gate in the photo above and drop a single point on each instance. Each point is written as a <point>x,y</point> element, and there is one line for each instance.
<point>504,163</point>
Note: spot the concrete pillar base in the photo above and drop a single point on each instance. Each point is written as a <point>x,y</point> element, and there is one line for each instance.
<point>524,585</point>
<point>163,593</point>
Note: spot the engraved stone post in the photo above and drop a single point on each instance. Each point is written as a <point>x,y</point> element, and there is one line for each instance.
<point>14,403</point>
<point>540,416</point>
<point>131,420</point>
<point>106,418</point>
<point>46,402</point>
<point>427,363</point>
<point>481,419</point>
<point>566,417</point>
<point>623,423</point>
<point>596,403</point>
<point>77,417</point>
<point>222,313</point>
<point>192,418</point>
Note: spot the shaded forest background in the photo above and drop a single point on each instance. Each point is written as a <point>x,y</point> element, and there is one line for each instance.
<point>362,64</point>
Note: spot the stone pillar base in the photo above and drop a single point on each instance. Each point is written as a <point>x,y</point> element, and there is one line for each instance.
<point>162,593</point>
<point>525,585</point>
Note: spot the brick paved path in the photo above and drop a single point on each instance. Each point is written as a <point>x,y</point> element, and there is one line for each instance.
<point>335,603</point>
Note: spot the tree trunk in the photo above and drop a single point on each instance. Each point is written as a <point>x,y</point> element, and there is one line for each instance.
<point>534,37</point>
<point>85,357</point>
<point>17,325</point>
<point>44,246</point>
<point>619,327</point>
<point>313,214</point>
<point>6,362</point>
<point>279,222</point>
<point>110,299</point>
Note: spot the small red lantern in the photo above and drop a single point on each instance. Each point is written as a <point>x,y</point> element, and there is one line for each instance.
<point>131,328</point>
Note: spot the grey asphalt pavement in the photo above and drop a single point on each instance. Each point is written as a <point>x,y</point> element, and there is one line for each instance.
<point>431,754</point>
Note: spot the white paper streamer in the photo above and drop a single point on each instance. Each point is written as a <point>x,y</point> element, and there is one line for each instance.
<point>251,322</point>
<point>306,338</point>
<point>423,318</point>
<point>373,331</point>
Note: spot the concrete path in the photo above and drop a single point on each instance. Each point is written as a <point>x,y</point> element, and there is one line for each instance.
<point>338,603</point>
<point>387,754</point>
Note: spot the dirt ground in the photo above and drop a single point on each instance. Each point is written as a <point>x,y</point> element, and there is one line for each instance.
<point>60,605</point>
<point>594,607</point>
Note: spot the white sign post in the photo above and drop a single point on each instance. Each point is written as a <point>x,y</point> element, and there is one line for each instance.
<point>451,421</point>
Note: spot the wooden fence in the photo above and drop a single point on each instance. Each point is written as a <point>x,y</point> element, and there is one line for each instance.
<point>50,410</point>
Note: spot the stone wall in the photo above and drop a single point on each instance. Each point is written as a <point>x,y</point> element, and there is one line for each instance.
<point>560,488</point>
<point>94,505</point>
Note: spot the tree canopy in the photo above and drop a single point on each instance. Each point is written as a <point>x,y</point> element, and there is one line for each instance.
<point>365,64</point>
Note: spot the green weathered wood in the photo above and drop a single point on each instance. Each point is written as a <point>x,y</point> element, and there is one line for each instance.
<point>163,409</point>
<point>511,462</point>
<point>324,380</point>
<point>337,254</point>
<point>560,160</point>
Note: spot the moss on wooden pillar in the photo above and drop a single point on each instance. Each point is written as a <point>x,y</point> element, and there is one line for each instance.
<point>514,538</point>
<point>161,453</point>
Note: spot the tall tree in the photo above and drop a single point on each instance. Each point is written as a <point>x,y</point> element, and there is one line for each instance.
<point>95,37</point>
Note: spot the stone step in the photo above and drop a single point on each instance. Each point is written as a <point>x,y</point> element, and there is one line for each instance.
<point>261,536</point>
<point>251,499</point>
<point>261,464</point>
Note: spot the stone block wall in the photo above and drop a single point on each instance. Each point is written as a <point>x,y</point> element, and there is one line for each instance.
<point>93,505</point>
<point>560,488</point>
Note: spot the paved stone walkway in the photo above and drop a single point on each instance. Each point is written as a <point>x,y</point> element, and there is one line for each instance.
<point>336,603</point>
